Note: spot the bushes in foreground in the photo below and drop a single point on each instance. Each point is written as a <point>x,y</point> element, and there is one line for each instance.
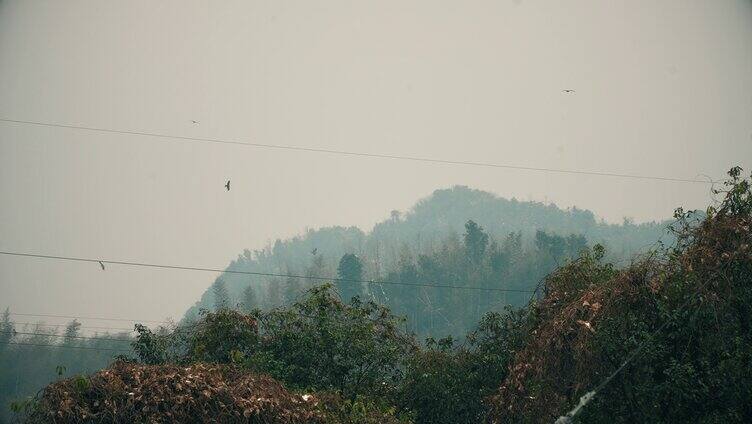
<point>447,383</point>
<point>687,308</point>
<point>321,343</point>
<point>318,343</point>
<point>128,393</point>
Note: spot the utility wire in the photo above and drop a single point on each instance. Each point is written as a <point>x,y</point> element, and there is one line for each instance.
<point>87,327</point>
<point>265,274</point>
<point>63,335</point>
<point>353,153</point>
<point>84,317</point>
<point>67,347</point>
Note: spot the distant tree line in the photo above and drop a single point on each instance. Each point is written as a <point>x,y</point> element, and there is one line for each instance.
<point>455,237</point>
<point>665,339</point>
<point>495,273</point>
<point>510,246</point>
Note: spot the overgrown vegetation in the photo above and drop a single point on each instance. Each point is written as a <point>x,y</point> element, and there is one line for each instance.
<point>33,355</point>
<point>129,393</point>
<point>447,383</point>
<point>688,306</point>
<point>321,358</point>
<point>456,237</point>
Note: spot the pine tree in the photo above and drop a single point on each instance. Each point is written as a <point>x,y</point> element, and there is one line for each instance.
<point>221,296</point>
<point>248,301</point>
<point>7,329</point>
<point>476,241</point>
<point>71,332</point>
<point>274,299</point>
<point>350,270</point>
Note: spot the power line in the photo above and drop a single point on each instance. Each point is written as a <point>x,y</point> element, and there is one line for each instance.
<point>353,153</point>
<point>85,317</point>
<point>181,329</point>
<point>88,327</point>
<point>67,346</point>
<point>265,274</point>
<point>69,337</point>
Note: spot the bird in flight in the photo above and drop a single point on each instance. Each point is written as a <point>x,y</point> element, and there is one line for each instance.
<point>227,186</point>
<point>568,91</point>
<point>194,121</point>
<point>101,264</point>
<point>314,251</point>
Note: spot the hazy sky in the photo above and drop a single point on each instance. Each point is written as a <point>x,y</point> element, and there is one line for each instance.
<point>662,88</point>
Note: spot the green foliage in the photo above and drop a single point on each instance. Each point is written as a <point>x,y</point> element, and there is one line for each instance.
<point>738,200</point>
<point>325,344</point>
<point>697,368</point>
<point>350,271</point>
<point>72,331</point>
<point>361,411</point>
<point>686,308</point>
<point>476,241</point>
<point>358,352</point>
<point>221,296</point>
<point>26,367</point>
<point>247,300</point>
<point>447,384</point>
<point>321,343</point>
<point>24,407</point>
<point>60,370</point>
<point>151,348</point>
<point>81,383</point>
<point>366,355</point>
<point>224,336</point>
<point>7,329</point>
<point>457,236</point>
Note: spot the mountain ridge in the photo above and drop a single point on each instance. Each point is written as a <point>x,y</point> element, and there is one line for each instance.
<point>422,229</point>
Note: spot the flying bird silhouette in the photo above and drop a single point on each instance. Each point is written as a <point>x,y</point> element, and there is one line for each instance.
<point>101,264</point>
<point>567,91</point>
<point>195,122</point>
<point>227,186</point>
<point>314,251</point>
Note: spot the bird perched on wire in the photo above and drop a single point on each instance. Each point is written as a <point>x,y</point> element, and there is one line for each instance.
<point>568,91</point>
<point>227,186</point>
<point>101,264</point>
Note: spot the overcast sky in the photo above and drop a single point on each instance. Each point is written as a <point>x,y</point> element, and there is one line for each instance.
<point>663,88</point>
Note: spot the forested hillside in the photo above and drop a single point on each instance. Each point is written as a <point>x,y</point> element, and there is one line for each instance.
<point>483,252</point>
<point>665,338</point>
<point>455,237</point>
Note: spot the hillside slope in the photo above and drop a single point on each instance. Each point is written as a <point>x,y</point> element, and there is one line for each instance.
<point>432,228</point>
<point>667,339</point>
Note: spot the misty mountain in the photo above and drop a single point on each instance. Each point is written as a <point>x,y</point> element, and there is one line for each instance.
<point>430,235</point>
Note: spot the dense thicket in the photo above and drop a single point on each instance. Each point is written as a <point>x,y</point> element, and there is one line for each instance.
<point>676,324</point>
<point>688,310</point>
<point>456,237</point>
<point>135,393</point>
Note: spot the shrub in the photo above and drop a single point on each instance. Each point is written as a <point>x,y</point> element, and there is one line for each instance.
<point>322,343</point>
<point>687,306</point>
<point>361,410</point>
<point>447,384</point>
<point>127,392</point>
<point>223,336</point>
